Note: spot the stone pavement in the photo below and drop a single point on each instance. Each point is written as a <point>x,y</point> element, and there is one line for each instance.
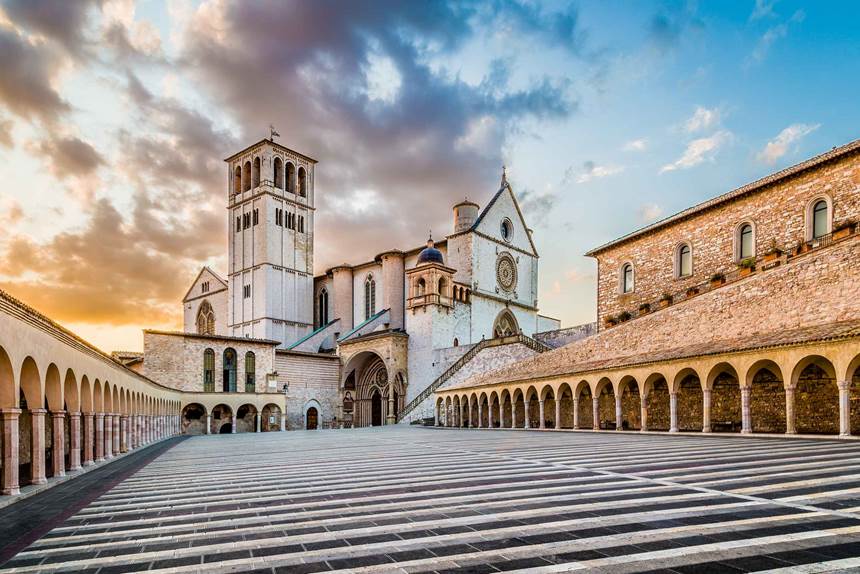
<point>438,500</point>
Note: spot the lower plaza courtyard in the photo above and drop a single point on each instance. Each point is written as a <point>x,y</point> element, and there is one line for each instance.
<point>406,499</point>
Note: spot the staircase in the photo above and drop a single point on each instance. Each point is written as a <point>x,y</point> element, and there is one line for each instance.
<point>529,342</point>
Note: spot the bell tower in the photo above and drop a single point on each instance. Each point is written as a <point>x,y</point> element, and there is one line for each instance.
<point>270,220</point>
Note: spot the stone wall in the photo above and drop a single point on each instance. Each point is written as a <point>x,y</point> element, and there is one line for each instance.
<point>313,380</point>
<point>561,337</point>
<point>176,360</point>
<point>777,212</point>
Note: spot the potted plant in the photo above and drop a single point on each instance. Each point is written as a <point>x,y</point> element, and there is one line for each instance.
<point>747,266</point>
<point>773,251</point>
<point>611,321</point>
<point>692,292</point>
<point>665,300</point>
<point>624,316</point>
<point>843,230</point>
<point>644,308</point>
<point>717,279</point>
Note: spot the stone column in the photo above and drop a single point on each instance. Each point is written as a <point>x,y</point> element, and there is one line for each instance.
<point>58,448</point>
<point>259,422</point>
<point>489,416</point>
<point>89,438</point>
<point>233,428</point>
<point>673,412</point>
<point>100,437</point>
<point>108,435</point>
<point>526,412</point>
<point>746,426</point>
<point>576,413</point>
<point>124,432</point>
<point>643,412</point>
<point>844,408</point>
<point>116,437</point>
<point>135,431</point>
<point>283,422</point>
<point>619,417</point>
<point>789,411</point>
<point>209,424</point>
<point>706,410</point>
<point>480,414</point>
<point>595,413</point>
<point>391,419</point>
<point>9,484</point>
<point>541,423</point>
<point>37,448</point>
<point>463,415</point>
<point>74,441</point>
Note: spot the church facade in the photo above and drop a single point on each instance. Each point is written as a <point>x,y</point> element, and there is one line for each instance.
<point>395,321</point>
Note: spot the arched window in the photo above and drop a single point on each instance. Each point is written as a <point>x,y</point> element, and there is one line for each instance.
<point>205,319</point>
<point>456,342</point>
<point>627,278</point>
<point>323,307</point>
<point>291,177</point>
<point>746,241</point>
<point>303,182</point>
<point>420,287</point>
<point>505,325</point>
<point>208,371</point>
<point>278,173</point>
<point>820,219</point>
<point>246,176</point>
<point>256,172</point>
<point>237,180</point>
<point>250,372</point>
<point>443,287</point>
<point>684,264</point>
<point>369,297</point>
<point>507,229</point>
<point>228,382</point>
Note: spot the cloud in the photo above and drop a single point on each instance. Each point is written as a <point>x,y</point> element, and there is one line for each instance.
<point>699,150</point>
<point>763,9</point>
<point>6,127</point>
<point>665,31</point>
<point>650,212</point>
<point>778,146</point>
<point>536,207</point>
<point>591,170</point>
<point>26,87</point>
<point>702,119</point>
<point>70,157</point>
<point>56,20</point>
<point>772,35</point>
<point>636,145</point>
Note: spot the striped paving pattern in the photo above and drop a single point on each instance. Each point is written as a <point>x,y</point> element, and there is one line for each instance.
<point>438,500</point>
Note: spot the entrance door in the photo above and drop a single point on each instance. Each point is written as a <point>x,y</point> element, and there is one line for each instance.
<point>312,419</point>
<point>376,409</point>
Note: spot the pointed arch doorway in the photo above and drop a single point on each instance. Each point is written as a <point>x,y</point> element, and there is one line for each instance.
<point>376,409</point>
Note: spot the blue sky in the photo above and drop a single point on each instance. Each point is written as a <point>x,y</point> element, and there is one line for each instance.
<point>115,115</point>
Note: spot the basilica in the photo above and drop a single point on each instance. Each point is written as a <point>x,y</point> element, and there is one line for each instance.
<point>357,344</point>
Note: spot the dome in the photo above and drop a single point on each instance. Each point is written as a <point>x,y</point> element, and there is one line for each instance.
<point>430,254</point>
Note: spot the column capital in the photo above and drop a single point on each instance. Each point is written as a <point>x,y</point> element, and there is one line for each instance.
<point>74,414</point>
<point>843,385</point>
<point>9,413</point>
<point>38,411</point>
<point>58,414</point>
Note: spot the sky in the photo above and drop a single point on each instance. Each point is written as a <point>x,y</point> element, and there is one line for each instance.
<point>115,117</point>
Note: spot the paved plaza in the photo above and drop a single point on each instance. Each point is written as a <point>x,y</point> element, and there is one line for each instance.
<point>437,500</point>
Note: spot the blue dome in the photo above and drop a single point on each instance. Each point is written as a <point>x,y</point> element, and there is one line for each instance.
<point>430,254</point>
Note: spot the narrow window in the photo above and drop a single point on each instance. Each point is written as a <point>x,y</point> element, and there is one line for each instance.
<point>303,182</point>
<point>279,173</point>
<point>627,278</point>
<point>256,216</point>
<point>819,219</point>
<point>246,176</point>
<point>301,224</point>
<point>250,372</point>
<point>323,307</point>
<point>237,180</point>
<point>745,240</point>
<point>291,177</point>
<point>685,261</point>
<point>208,371</point>
<point>369,297</point>
<point>238,223</point>
<point>256,172</point>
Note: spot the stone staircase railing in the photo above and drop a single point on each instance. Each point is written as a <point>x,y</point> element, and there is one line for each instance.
<point>529,342</point>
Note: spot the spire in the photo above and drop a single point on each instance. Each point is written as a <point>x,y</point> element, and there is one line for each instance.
<point>430,239</point>
<point>504,176</point>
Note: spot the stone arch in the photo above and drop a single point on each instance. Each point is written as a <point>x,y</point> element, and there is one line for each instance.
<point>605,393</point>
<point>816,396</point>
<point>724,383</point>
<point>246,418</point>
<point>690,400</point>
<point>256,176</point>
<point>505,324</point>
<point>767,397</point>
<point>484,410</point>
<point>98,397</point>
<point>657,402</point>
<point>548,396</point>
<point>86,395</point>
<point>584,406</point>
<point>53,389</point>
<point>107,398</point>
<point>494,407</point>
<point>205,319</point>
<point>71,393</point>
<point>303,182</point>
<point>246,176</point>
<point>31,384</point>
<point>456,404</point>
<point>631,403</point>
<point>291,177</point>
<point>237,180</point>
<point>507,408</point>
<point>194,419</point>
<point>440,405</point>
<point>222,419</point>
<point>370,373</point>
<point>312,415</point>
<point>278,172</point>
<point>533,410</point>
<point>271,414</point>
<point>8,387</point>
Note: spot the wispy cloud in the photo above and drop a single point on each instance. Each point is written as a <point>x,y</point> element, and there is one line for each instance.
<point>591,170</point>
<point>778,146</point>
<point>636,145</point>
<point>702,119</point>
<point>699,150</point>
<point>772,35</point>
<point>763,9</point>
<point>650,212</point>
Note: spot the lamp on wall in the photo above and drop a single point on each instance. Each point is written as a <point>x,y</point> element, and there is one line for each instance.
<point>285,388</point>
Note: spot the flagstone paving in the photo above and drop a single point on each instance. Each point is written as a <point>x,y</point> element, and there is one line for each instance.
<point>402,499</point>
